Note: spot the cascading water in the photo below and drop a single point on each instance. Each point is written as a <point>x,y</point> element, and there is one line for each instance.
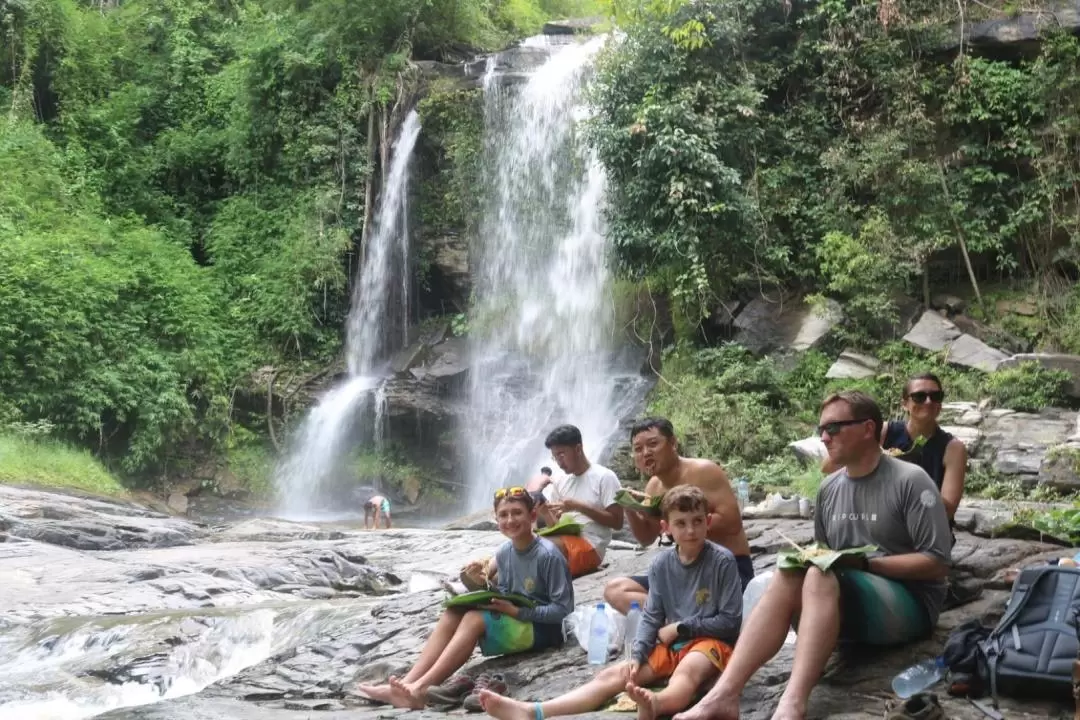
<point>55,669</point>
<point>376,326</point>
<point>543,343</point>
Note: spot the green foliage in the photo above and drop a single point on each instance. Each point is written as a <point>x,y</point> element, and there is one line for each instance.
<point>742,411</point>
<point>184,189</point>
<point>1028,387</point>
<point>453,124</point>
<point>1059,523</point>
<point>27,460</point>
<point>829,145</point>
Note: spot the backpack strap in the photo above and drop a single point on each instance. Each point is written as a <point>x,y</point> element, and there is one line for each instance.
<point>992,646</point>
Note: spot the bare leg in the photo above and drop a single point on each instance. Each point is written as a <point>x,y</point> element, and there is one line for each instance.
<point>440,636</point>
<point>590,696</point>
<point>819,628</point>
<point>378,514</point>
<point>763,637</point>
<point>690,674</point>
<point>453,655</point>
<point>387,521</point>
<point>620,592</point>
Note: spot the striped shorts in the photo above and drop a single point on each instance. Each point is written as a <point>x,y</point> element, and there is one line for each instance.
<point>875,610</point>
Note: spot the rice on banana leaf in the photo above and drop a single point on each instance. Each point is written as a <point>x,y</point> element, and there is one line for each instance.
<point>803,557</point>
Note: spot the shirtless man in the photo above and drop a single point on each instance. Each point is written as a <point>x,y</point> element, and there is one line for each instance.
<point>656,452</point>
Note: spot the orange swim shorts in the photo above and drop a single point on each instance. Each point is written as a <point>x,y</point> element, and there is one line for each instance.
<point>580,555</point>
<point>663,659</point>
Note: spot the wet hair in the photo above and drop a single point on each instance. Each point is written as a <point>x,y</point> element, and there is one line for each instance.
<point>524,498</point>
<point>921,376</point>
<point>684,498</point>
<point>545,471</point>
<point>659,423</point>
<point>565,435</point>
<point>863,407</point>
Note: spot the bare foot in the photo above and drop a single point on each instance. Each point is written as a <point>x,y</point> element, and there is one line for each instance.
<point>378,693</point>
<point>648,705</point>
<point>404,696</point>
<point>789,710</point>
<point>712,707</point>
<point>504,708</point>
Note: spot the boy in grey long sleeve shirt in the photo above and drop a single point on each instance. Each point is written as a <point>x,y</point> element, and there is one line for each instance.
<point>528,565</point>
<point>691,619</point>
<point>540,573</point>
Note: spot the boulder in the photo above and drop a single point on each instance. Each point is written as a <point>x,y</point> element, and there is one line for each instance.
<point>1016,443</point>
<point>948,303</point>
<point>764,326</point>
<point>1020,33</point>
<point>853,365</point>
<point>809,450</point>
<point>574,26</point>
<point>450,277</point>
<point>1051,361</point>
<point>1060,468</point>
<point>936,333</point>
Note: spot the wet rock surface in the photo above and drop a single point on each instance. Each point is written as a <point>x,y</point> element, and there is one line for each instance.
<point>344,613</point>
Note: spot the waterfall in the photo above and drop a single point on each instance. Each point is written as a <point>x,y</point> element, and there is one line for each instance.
<point>543,346</point>
<point>376,327</point>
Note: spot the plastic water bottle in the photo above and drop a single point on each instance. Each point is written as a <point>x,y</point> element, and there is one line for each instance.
<point>633,620</point>
<point>753,593</point>
<point>598,636</point>
<point>919,677</point>
<point>742,490</point>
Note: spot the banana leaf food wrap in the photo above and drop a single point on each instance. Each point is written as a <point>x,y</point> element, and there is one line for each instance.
<point>484,597</point>
<point>798,558</point>
<point>911,454</point>
<point>650,506</point>
<point>566,525</point>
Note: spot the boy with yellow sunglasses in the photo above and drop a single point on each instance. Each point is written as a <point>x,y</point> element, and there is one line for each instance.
<point>527,565</point>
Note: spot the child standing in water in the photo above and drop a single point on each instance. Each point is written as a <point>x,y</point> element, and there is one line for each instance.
<point>527,565</point>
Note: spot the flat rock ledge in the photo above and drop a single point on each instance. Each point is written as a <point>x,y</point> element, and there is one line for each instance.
<point>318,679</point>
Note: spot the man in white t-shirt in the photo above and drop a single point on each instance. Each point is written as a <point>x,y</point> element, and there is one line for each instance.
<point>587,493</point>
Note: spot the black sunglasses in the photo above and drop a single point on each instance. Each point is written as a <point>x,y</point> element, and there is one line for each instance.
<point>921,396</point>
<point>835,427</point>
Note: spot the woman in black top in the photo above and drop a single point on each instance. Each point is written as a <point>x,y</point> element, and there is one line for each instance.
<point>942,456</point>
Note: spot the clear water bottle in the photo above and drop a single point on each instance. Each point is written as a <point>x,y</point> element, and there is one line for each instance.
<point>598,636</point>
<point>919,677</point>
<point>742,492</point>
<point>633,621</point>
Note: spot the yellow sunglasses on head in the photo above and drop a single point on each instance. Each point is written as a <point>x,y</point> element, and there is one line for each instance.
<point>515,491</point>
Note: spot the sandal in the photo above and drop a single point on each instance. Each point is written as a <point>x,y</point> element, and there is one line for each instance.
<point>921,706</point>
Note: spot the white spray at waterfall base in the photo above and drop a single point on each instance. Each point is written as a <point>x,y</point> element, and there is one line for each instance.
<point>544,350</point>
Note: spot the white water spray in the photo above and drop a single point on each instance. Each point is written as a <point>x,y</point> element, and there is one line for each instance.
<point>543,344</point>
<point>378,321</point>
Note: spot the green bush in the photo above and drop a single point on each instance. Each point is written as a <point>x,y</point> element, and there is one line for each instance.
<point>1028,387</point>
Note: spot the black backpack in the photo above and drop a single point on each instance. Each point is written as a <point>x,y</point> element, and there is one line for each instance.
<point>1032,649</point>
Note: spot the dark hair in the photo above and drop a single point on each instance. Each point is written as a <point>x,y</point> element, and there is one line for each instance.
<point>563,435</point>
<point>545,471</point>
<point>525,498</point>
<point>684,498</point>
<point>921,376</point>
<point>863,407</point>
<point>659,423</point>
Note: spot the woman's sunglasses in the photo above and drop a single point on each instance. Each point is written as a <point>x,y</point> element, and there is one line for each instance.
<point>919,396</point>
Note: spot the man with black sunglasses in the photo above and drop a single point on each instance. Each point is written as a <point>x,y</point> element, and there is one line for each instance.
<point>920,440</point>
<point>892,597</point>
